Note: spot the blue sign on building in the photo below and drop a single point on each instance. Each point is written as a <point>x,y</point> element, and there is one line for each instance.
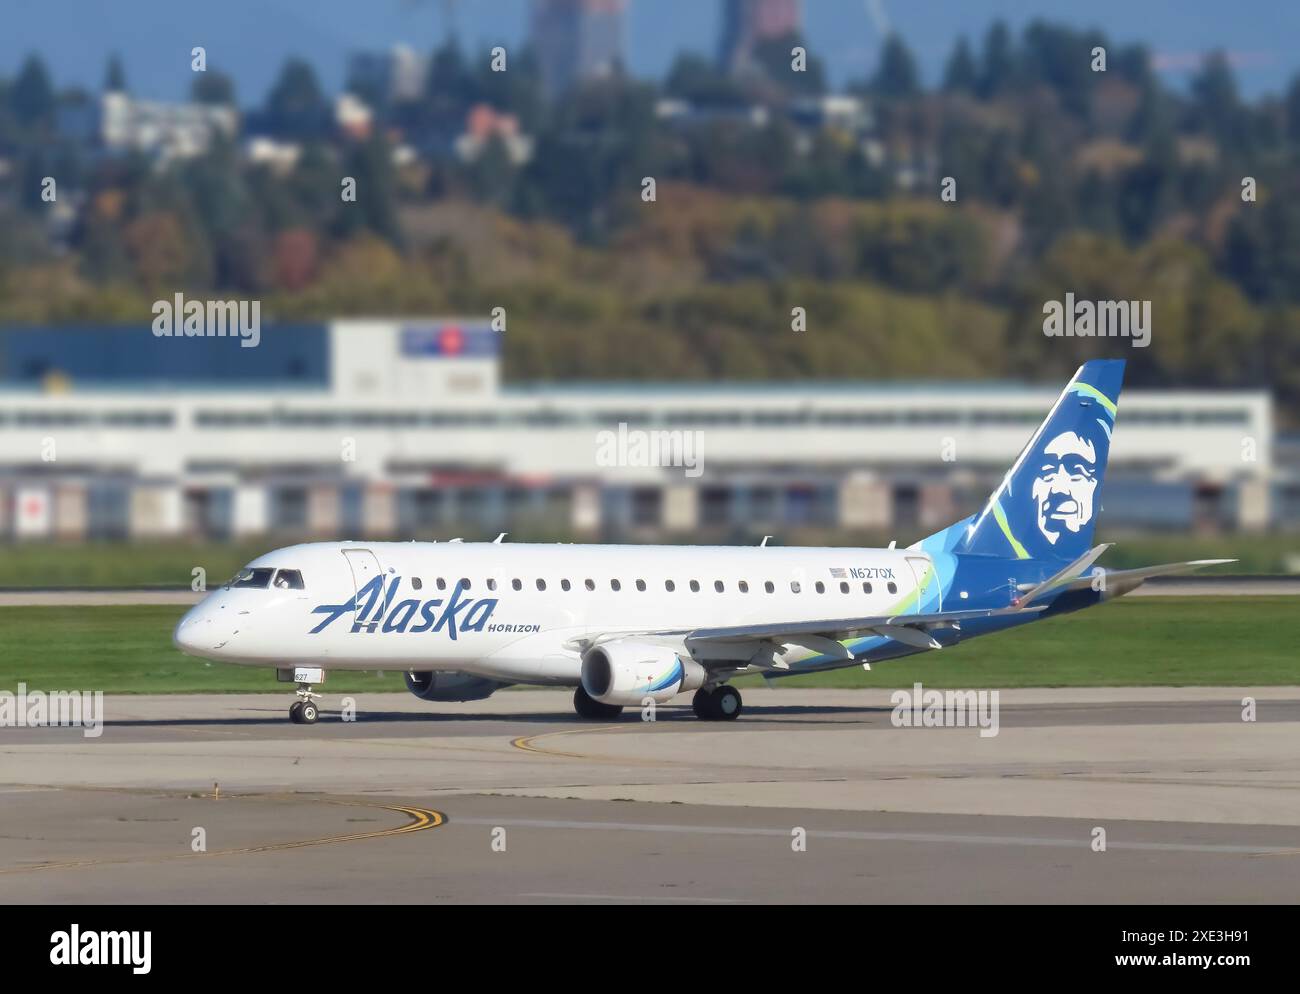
<point>450,340</point>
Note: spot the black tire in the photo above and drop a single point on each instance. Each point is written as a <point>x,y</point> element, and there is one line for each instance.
<point>726,703</point>
<point>295,712</point>
<point>702,702</point>
<point>593,710</point>
<point>308,713</point>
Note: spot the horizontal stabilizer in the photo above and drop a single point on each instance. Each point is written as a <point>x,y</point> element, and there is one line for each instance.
<point>1130,579</point>
<point>1074,571</point>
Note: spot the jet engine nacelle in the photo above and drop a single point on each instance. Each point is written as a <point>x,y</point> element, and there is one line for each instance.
<point>625,672</point>
<point>450,686</point>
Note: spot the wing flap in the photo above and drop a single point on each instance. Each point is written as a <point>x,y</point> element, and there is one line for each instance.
<point>843,628</point>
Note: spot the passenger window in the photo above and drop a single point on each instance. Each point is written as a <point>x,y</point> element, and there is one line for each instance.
<point>844,588</point>
<point>564,584</point>
<point>695,586</point>
<point>640,585</point>
<point>252,578</point>
<point>794,586</point>
<point>491,584</point>
<point>440,583</point>
<point>517,584</point>
<point>289,579</point>
<point>417,583</point>
<point>669,586</point>
<point>615,585</point>
<point>464,584</point>
<point>591,584</point>
<point>744,587</point>
<point>769,586</point>
<point>866,588</point>
<point>821,587</point>
<point>541,584</point>
<point>893,587</point>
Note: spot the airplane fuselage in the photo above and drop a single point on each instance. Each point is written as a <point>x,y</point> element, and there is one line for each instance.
<point>515,612</point>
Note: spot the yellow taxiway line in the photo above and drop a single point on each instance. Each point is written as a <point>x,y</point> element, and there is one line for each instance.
<point>421,819</point>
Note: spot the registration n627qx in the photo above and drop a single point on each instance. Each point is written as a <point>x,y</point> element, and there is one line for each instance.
<point>622,624</point>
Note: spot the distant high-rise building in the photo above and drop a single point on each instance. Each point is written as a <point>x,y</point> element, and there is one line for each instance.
<point>745,23</point>
<point>576,40</point>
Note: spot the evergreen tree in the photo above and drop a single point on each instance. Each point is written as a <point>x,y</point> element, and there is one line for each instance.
<point>897,75</point>
<point>31,97</point>
<point>295,107</point>
<point>960,75</point>
<point>213,87</point>
<point>998,65</point>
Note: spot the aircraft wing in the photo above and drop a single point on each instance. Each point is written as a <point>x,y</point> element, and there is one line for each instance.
<point>825,636</point>
<point>742,641</point>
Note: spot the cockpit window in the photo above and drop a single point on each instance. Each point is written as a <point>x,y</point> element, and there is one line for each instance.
<point>289,579</point>
<point>258,578</point>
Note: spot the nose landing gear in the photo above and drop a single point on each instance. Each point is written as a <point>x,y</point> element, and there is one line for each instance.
<point>304,710</point>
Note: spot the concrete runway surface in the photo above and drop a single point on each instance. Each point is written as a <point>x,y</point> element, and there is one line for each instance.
<point>514,800</point>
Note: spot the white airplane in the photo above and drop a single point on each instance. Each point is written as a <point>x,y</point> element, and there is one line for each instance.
<point>629,624</point>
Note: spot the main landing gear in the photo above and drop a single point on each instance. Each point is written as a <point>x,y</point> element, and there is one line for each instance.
<point>304,710</point>
<point>721,703</point>
<point>594,710</point>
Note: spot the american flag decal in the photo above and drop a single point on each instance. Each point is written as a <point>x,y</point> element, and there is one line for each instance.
<point>839,574</point>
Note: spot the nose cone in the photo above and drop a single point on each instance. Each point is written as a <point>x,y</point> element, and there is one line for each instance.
<point>185,636</point>
<point>198,634</point>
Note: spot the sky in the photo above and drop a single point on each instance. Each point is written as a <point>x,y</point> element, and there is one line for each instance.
<point>251,38</point>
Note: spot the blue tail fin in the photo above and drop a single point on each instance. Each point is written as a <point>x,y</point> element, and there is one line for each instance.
<point>1046,507</point>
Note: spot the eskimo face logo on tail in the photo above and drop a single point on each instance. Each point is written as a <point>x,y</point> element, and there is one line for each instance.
<point>1064,487</point>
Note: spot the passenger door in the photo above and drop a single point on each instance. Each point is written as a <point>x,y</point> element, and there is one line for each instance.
<point>365,567</point>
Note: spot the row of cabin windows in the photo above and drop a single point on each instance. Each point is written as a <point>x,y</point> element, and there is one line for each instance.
<point>669,585</point>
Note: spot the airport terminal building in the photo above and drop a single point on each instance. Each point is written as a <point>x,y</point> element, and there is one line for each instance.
<point>404,429</point>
